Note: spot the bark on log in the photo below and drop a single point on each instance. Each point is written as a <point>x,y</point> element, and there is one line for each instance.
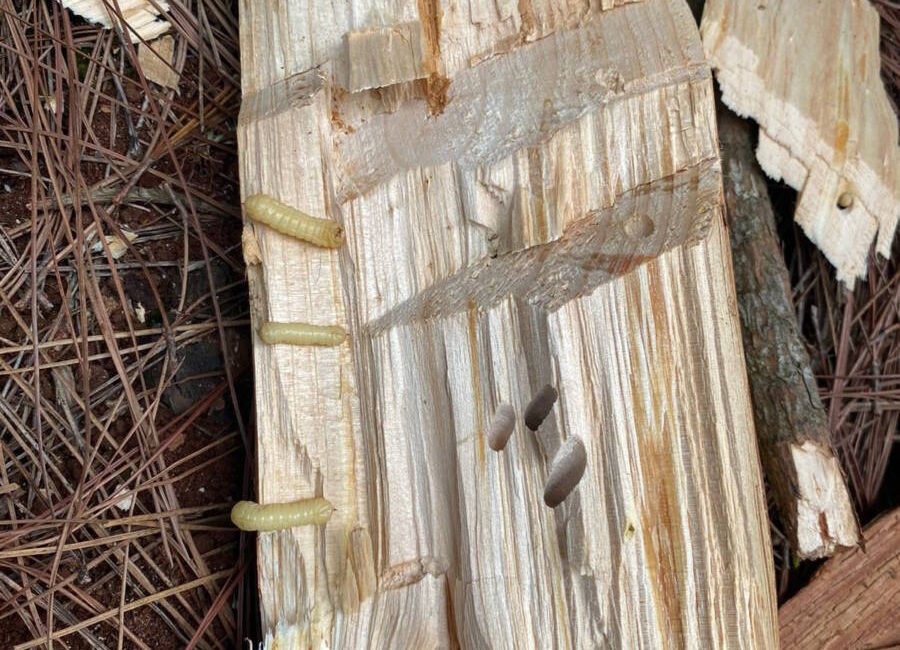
<point>810,74</point>
<point>491,210</point>
<point>853,601</point>
<point>795,445</point>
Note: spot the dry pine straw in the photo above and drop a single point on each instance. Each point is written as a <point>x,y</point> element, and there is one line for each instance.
<point>113,498</point>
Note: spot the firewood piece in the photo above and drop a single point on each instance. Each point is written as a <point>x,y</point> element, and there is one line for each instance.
<point>791,425</point>
<point>517,237</point>
<point>853,601</point>
<point>809,74</point>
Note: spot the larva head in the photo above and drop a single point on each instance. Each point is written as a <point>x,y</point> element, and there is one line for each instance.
<point>322,510</point>
<point>255,204</point>
<point>334,236</point>
<point>242,514</point>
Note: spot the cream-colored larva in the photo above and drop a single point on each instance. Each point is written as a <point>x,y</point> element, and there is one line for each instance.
<point>501,427</point>
<point>248,515</point>
<point>539,407</point>
<point>294,223</point>
<point>302,334</point>
<point>565,471</point>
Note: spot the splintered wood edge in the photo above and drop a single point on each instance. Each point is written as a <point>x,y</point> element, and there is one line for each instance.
<point>810,491</point>
<point>847,171</point>
<point>383,56</point>
<point>825,516</point>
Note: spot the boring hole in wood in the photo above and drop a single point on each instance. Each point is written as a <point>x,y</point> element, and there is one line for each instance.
<point>639,226</point>
<point>845,201</point>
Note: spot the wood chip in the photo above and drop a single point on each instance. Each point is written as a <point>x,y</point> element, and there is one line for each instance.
<point>117,247</point>
<point>142,17</point>
<point>155,60</point>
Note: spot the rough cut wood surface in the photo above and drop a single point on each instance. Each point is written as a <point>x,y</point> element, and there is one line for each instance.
<point>791,425</point>
<point>809,74</point>
<point>854,599</point>
<point>491,209</point>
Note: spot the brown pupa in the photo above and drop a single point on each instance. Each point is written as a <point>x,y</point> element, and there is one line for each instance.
<point>566,471</point>
<point>501,427</point>
<point>539,407</point>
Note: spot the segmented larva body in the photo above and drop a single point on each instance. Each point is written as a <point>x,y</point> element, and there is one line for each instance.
<point>302,334</point>
<point>501,427</point>
<point>248,515</point>
<point>539,407</point>
<point>565,471</point>
<point>294,223</point>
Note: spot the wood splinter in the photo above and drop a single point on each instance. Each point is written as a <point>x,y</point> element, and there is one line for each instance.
<point>272,332</point>
<point>294,223</point>
<point>501,427</point>
<point>539,407</point>
<point>248,515</point>
<point>566,471</point>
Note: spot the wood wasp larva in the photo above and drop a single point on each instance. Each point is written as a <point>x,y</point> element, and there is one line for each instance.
<point>294,223</point>
<point>302,334</point>
<point>248,515</point>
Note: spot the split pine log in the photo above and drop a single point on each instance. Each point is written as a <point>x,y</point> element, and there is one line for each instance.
<point>795,445</point>
<point>498,199</point>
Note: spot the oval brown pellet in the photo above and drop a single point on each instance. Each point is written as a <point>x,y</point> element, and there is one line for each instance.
<point>566,471</point>
<point>501,427</point>
<point>539,407</point>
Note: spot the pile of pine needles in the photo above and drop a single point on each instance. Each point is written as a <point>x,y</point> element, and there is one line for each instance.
<point>853,338</point>
<point>117,201</point>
